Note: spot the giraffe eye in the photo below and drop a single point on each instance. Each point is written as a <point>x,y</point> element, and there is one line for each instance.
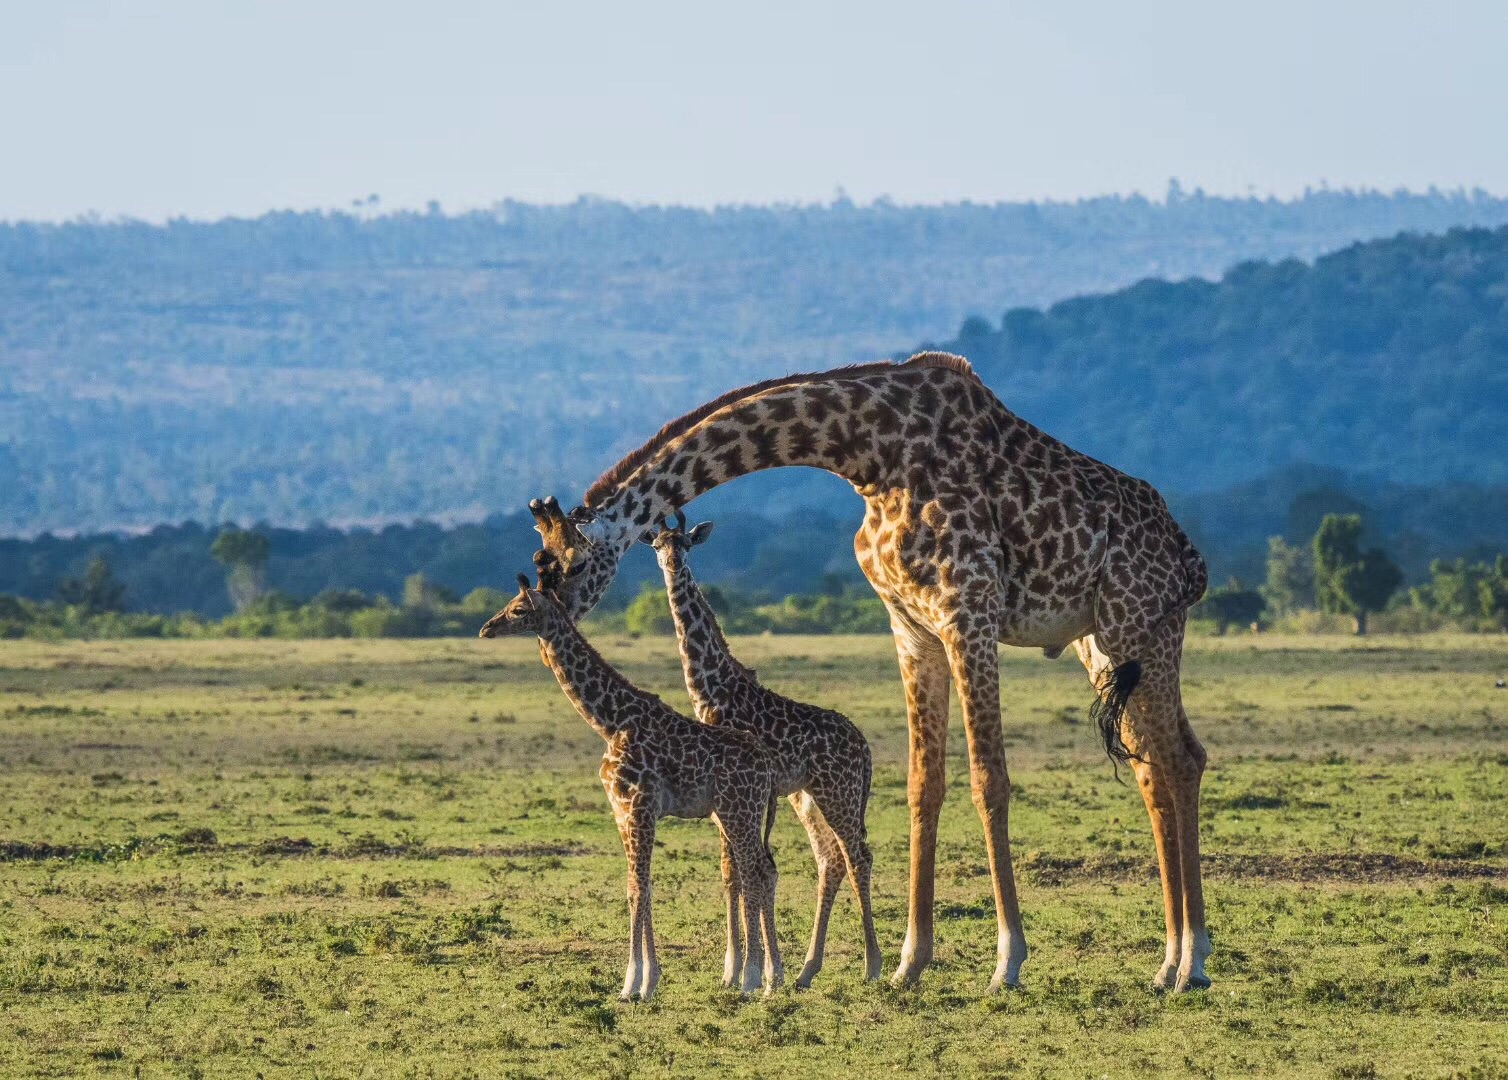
<point>575,570</point>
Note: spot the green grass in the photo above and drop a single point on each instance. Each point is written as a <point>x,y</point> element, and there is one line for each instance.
<point>394,858</point>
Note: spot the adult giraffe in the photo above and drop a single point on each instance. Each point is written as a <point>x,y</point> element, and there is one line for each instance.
<point>978,528</point>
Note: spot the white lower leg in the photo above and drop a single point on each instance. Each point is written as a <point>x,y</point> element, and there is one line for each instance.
<point>649,963</point>
<point>733,958</point>
<point>753,947</point>
<point>774,970</point>
<point>631,976</point>
<point>1167,975</point>
<point>1010,953</point>
<point>1196,949</point>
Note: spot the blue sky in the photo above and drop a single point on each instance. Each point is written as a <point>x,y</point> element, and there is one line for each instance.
<point>155,109</point>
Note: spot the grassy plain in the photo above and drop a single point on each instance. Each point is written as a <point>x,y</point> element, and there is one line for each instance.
<point>393,858</point>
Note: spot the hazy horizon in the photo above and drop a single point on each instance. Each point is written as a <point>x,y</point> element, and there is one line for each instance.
<point>175,109</point>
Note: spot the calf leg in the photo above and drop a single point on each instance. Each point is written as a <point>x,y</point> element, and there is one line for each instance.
<point>829,856</point>
<point>733,958</point>
<point>756,875</point>
<point>844,810</point>
<point>643,967</point>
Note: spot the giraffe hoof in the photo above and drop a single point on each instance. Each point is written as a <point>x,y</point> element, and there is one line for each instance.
<point>1197,982</point>
<point>909,973</point>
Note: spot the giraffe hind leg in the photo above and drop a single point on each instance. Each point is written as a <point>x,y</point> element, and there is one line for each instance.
<point>829,855</point>
<point>1169,764</point>
<point>845,817</point>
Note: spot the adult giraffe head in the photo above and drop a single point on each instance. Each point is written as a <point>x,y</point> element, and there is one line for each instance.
<point>585,558</point>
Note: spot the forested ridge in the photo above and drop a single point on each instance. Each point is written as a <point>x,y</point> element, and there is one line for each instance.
<point>310,367</point>
<point>1388,357</point>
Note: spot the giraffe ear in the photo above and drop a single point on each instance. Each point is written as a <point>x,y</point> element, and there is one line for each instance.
<point>699,533</point>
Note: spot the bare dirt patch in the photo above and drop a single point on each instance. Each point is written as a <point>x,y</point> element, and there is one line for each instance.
<point>1360,868</point>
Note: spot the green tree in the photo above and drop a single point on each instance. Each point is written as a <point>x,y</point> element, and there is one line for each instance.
<point>1234,604</point>
<point>96,591</point>
<point>1290,577</point>
<point>422,594</point>
<point>1453,589</point>
<point>649,613</point>
<point>1348,580</point>
<point>1492,594</point>
<point>244,555</point>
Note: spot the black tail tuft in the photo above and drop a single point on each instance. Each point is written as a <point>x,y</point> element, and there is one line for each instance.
<point>1109,709</point>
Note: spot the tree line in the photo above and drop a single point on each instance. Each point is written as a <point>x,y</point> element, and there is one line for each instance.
<point>1332,575</point>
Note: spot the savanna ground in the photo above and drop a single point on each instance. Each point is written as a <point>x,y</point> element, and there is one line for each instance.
<point>394,858</point>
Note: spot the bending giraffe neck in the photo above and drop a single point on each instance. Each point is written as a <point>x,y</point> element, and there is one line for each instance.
<point>607,701</point>
<point>709,666</point>
<point>865,424</point>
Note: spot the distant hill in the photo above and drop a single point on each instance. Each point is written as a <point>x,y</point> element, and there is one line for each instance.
<point>323,367</point>
<point>1387,358</point>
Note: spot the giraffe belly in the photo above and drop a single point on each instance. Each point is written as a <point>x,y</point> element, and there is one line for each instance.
<point>1050,631</point>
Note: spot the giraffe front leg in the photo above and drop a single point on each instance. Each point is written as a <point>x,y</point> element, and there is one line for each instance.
<point>649,960</point>
<point>749,905</point>
<point>756,875</point>
<point>974,659</point>
<point>733,957</point>
<point>924,671</point>
<point>643,967</point>
<point>829,856</point>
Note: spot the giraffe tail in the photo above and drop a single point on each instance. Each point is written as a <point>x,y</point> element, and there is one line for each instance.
<point>864,805</point>
<point>1108,711</point>
<point>769,823</point>
<point>1115,686</point>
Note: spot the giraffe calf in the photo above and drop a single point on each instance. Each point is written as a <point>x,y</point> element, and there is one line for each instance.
<point>661,763</point>
<point>821,759</point>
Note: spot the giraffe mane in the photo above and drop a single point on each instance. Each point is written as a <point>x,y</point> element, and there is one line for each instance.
<point>609,481</point>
